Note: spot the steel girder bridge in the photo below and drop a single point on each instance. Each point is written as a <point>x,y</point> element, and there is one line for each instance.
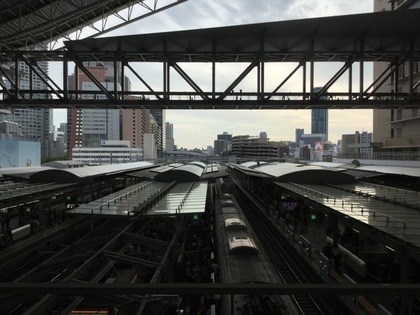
<point>351,42</point>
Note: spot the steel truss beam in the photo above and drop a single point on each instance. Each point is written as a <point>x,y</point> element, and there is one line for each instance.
<point>57,96</point>
<point>199,97</point>
<point>95,266</point>
<point>391,38</point>
<point>88,289</point>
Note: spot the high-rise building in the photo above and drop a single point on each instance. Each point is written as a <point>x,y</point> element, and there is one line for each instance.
<point>156,130</point>
<point>90,127</point>
<point>36,123</point>
<point>319,121</point>
<point>170,142</point>
<point>220,148</point>
<point>298,134</point>
<point>150,149</point>
<point>319,118</point>
<point>397,131</point>
<point>169,130</point>
<point>227,137</point>
<point>136,122</point>
<point>63,130</point>
<point>160,117</point>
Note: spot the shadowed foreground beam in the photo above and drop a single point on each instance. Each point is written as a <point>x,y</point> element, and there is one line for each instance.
<point>77,289</point>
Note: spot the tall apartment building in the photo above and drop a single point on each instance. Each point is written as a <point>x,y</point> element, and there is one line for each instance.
<point>90,127</point>
<point>36,123</point>
<point>135,123</point>
<point>298,135</point>
<point>227,137</point>
<point>156,131</point>
<point>170,142</point>
<point>397,131</point>
<point>160,117</point>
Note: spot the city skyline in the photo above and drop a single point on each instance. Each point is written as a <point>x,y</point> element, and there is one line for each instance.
<point>198,128</point>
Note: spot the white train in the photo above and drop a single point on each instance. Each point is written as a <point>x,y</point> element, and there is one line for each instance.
<point>242,259</point>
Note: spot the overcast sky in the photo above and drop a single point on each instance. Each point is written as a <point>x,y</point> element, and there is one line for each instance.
<point>198,129</point>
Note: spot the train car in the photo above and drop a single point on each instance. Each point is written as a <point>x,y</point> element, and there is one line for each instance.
<point>242,259</point>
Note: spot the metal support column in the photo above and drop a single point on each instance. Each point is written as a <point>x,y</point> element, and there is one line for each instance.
<point>361,72</point>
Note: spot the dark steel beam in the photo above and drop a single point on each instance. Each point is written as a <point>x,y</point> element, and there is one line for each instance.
<point>156,245</point>
<point>254,97</point>
<point>131,260</point>
<point>248,102</point>
<point>87,289</point>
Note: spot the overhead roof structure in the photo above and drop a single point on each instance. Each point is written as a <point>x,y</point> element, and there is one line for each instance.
<point>73,175</point>
<point>391,37</point>
<point>24,172</point>
<point>390,210</point>
<point>297,173</point>
<point>25,24</point>
<point>150,199</point>
<point>375,36</point>
<point>368,170</point>
<point>184,173</point>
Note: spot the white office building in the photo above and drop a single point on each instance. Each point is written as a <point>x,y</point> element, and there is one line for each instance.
<point>110,152</point>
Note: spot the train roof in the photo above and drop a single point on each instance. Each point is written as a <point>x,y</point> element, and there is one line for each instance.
<point>235,223</point>
<point>242,245</point>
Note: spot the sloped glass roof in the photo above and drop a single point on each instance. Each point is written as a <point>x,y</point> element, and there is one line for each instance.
<point>185,198</point>
<point>184,173</point>
<point>370,205</point>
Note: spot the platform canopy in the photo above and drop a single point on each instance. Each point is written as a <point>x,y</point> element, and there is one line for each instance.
<point>73,175</point>
<point>297,173</point>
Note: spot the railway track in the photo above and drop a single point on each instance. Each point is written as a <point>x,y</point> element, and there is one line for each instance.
<point>289,263</point>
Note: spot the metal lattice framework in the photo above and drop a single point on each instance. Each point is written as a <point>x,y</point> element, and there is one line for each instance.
<point>31,23</point>
<point>349,41</point>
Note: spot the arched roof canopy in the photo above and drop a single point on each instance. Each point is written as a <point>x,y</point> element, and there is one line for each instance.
<point>22,172</point>
<point>75,175</point>
<point>198,163</point>
<point>184,173</point>
<point>300,173</point>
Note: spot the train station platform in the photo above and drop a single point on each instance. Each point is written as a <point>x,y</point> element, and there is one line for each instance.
<point>310,241</point>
